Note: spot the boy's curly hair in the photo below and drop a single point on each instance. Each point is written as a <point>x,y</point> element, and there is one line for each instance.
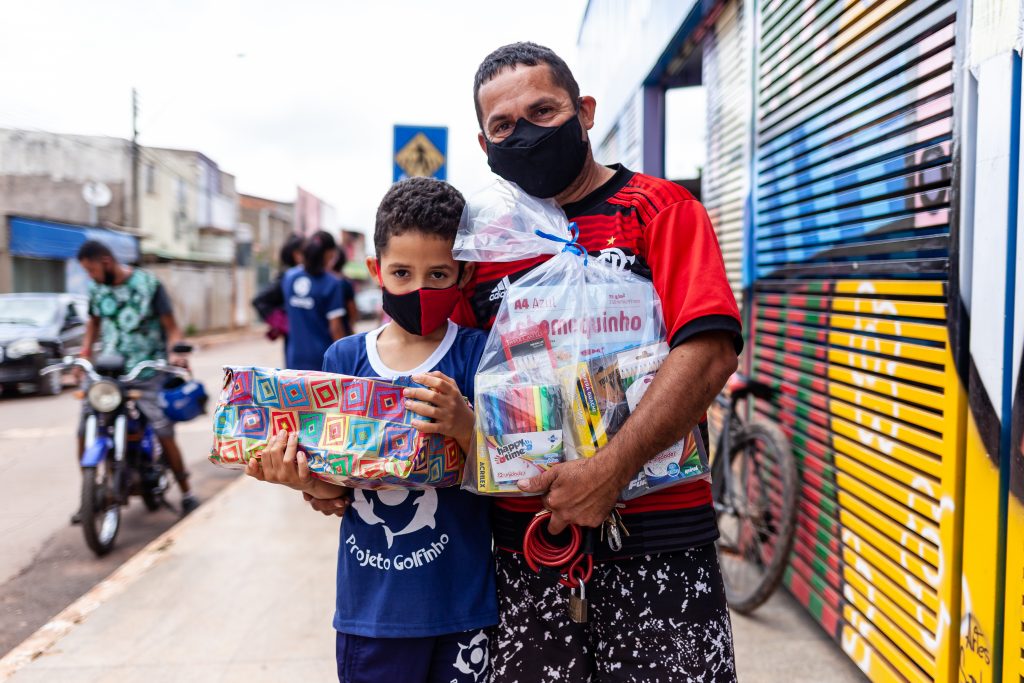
<point>423,205</point>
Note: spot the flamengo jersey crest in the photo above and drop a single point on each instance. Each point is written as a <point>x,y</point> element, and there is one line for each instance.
<point>616,258</point>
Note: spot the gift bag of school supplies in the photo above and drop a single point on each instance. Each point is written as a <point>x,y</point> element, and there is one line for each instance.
<point>354,431</point>
<point>574,345</point>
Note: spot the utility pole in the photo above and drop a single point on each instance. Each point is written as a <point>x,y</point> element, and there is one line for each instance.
<point>137,223</point>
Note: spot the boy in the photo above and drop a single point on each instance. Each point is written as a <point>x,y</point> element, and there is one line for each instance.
<point>415,571</point>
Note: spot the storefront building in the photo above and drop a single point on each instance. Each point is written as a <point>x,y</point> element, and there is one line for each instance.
<point>861,170</point>
<point>39,255</point>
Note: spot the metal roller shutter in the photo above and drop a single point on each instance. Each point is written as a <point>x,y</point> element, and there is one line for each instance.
<point>724,181</point>
<point>849,315</point>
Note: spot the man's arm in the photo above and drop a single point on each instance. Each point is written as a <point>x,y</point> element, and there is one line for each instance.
<point>584,491</point>
<point>92,332</point>
<point>337,326</point>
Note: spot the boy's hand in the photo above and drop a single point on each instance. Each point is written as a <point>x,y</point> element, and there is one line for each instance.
<point>282,463</point>
<point>441,401</point>
<point>329,506</point>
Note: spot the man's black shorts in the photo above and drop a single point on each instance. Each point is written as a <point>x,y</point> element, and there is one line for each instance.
<point>651,618</point>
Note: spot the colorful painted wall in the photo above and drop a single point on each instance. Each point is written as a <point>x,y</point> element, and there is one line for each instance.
<point>879,276</point>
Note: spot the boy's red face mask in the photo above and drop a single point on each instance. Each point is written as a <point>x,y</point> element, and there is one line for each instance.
<point>421,311</point>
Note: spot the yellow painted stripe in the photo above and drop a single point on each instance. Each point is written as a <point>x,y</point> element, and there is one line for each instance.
<point>912,498</point>
<point>887,347</point>
<point>888,387</point>
<point>897,532</point>
<point>857,548</point>
<point>894,409</point>
<point>885,648</point>
<point>914,565</point>
<point>907,611</point>
<point>891,287</point>
<point>894,307</point>
<point>929,487</point>
<point>895,328</point>
<point>865,657</point>
<point>906,521</point>
<point>885,428</point>
<point>887,367</point>
<point>915,654</point>
<point>925,462</point>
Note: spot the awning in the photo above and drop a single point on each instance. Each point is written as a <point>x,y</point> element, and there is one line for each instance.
<point>34,238</point>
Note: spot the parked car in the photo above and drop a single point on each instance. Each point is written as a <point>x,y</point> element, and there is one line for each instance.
<point>37,330</point>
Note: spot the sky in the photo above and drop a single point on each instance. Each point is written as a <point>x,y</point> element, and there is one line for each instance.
<point>280,94</point>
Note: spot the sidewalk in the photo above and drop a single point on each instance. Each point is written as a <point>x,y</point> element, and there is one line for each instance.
<point>225,597</point>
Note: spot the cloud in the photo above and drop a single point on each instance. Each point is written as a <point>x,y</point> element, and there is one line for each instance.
<point>304,93</point>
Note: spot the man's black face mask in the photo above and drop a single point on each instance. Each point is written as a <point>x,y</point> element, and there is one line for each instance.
<point>540,159</point>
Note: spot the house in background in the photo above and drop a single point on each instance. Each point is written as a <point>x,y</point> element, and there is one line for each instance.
<point>57,190</point>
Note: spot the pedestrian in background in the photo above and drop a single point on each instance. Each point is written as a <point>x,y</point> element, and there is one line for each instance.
<point>347,290</point>
<point>269,302</point>
<point>314,303</point>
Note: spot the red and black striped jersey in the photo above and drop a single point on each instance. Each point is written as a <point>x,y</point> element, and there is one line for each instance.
<point>657,230</point>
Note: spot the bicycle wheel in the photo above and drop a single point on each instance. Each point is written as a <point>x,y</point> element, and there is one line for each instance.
<point>756,515</point>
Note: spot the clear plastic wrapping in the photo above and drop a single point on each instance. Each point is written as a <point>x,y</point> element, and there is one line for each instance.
<point>572,349</point>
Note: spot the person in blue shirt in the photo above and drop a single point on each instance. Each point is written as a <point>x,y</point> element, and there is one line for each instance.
<point>415,586</point>
<point>314,300</point>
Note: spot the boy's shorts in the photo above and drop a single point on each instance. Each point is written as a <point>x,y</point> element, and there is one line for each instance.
<point>451,658</point>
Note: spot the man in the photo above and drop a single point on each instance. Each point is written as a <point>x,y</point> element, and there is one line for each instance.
<point>657,606</point>
<point>138,324</point>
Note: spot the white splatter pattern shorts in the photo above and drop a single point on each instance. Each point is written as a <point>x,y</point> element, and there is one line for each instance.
<point>651,618</point>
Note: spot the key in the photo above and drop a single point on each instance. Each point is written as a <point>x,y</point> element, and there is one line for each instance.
<point>578,604</point>
<point>614,537</point>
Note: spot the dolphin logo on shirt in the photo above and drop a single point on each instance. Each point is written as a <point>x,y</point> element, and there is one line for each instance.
<point>425,507</point>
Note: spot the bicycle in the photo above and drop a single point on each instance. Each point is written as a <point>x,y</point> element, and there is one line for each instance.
<point>754,487</point>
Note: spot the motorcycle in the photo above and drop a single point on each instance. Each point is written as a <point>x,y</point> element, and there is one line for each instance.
<point>122,455</point>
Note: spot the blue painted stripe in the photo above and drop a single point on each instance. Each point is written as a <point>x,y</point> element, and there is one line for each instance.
<point>850,114</point>
<point>897,206</point>
<point>904,126</point>
<point>934,155</point>
<point>1005,446</point>
<point>910,182</point>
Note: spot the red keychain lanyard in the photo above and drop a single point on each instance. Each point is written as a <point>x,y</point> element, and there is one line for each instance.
<point>573,562</point>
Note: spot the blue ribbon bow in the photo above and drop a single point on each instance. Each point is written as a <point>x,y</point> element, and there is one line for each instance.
<point>572,244</point>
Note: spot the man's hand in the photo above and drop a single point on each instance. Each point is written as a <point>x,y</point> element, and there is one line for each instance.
<point>581,492</point>
<point>282,463</point>
<point>442,401</point>
<point>178,359</point>
<point>328,506</point>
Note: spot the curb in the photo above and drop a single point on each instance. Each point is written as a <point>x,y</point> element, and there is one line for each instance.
<point>37,644</point>
<point>216,338</point>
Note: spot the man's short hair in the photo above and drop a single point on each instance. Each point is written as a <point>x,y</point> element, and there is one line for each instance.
<point>93,250</point>
<point>527,54</point>
<point>423,205</point>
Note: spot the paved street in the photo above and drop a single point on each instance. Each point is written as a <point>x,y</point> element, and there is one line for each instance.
<point>181,611</point>
<point>44,562</point>
<point>243,591</point>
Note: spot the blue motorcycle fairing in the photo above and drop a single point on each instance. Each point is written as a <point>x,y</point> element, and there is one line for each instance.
<point>96,451</point>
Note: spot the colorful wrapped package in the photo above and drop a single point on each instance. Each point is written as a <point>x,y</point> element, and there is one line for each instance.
<point>354,431</point>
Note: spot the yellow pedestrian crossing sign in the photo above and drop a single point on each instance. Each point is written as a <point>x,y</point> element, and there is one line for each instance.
<point>420,151</point>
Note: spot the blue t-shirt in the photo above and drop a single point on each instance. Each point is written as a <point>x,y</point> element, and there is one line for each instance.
<point>414,564</point>
<point>310,301</point>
